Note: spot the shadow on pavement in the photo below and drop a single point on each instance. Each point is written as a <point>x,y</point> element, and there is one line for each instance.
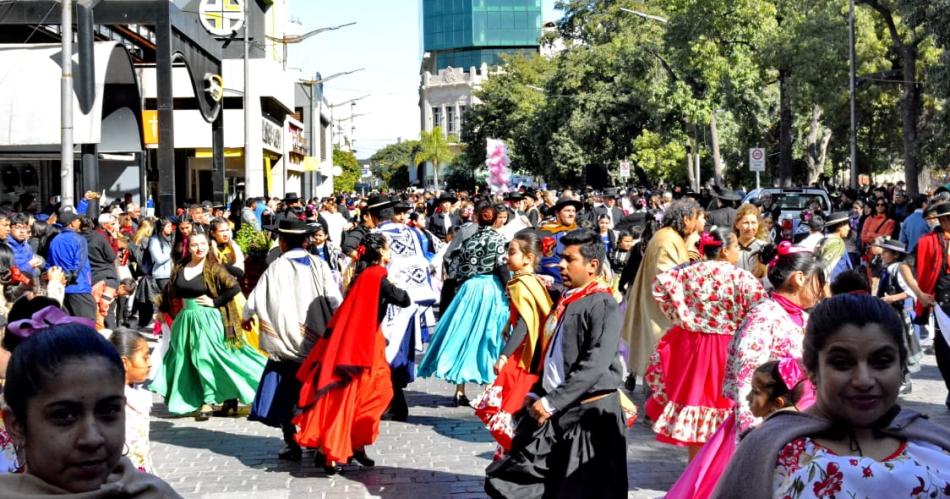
<point>470,429</point>
<point>390,482</point>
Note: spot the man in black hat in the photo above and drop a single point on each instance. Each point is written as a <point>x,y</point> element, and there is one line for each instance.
<point>443,221</point>
<point>293,209</point>
<point>290,323</point>
<point>565,220</point>
<point>609,208</point>
<point>371,215</point>
<point>532,211</point>
<point>832,249</point>
<point>723,213</point>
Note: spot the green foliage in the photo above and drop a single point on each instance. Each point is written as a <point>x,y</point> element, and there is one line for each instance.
<point>351,170</point>
<point>391,163</point>
<point>629,86</point>
<point>253,243</point>
<point>434,148</point>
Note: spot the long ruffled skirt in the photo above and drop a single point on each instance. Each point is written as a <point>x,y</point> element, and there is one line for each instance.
<point>468,339</point>
<point>200,367</point>
<point>500,402</point>
<point>345,418</point>
<point>686,374</point>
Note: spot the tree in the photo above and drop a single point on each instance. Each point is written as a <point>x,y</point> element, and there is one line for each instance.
<point>433,148</point>
<point>391,163</point>
<point>352,172</point>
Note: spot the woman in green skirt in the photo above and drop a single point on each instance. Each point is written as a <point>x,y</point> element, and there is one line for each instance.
<point>208,361</point>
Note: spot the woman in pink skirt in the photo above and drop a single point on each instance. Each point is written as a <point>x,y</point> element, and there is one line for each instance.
<point>706,301</point>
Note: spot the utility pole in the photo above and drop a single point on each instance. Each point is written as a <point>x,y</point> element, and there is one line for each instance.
<point>248,167</point>
<point>66,108</point>
<point>854,105</point>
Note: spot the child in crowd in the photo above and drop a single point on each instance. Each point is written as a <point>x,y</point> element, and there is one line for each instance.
<point>520,361</point>
<point>134,351</point>
<point>778,385</point>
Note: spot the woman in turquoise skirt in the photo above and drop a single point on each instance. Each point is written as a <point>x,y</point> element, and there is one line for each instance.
<point>468,338</point>
<point>208,361</point>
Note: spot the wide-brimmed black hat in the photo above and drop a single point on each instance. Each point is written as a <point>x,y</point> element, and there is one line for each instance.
<point>400,205</point>
<point>294,227</point>
<point>564,202</point>
<point>892,245</point>
<point>378,202</point>
<point>726,194</point>
<point>447,196</point>
<point>514,196</point>
<point>610,192</point>
<point>941,209</point>
<point>291,197</point>
<point>837,218</point>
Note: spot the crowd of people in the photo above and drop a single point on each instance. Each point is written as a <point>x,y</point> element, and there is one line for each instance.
<point>768,350</point>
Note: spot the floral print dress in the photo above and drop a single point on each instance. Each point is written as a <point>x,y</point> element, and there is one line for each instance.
<point>768,333</point>
<point>805,469</point>
<point>706,302</point>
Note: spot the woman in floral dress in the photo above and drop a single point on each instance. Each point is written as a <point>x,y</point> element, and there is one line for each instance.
<point>773,329</point>
<point>855,441</point>
<point>706,302</point>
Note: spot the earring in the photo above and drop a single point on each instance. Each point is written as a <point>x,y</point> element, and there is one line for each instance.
<point>125,449</point>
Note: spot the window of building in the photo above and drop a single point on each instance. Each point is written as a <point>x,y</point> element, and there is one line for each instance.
<point>461,118</point>
<point>436,117</point>
<point>450,119</point>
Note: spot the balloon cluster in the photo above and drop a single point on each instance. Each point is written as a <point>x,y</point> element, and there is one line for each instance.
<point>499,176</point>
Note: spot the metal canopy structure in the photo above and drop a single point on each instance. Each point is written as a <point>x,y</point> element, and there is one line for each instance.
<point>180,38</point>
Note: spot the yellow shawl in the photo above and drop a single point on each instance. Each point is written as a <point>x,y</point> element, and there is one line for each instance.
<point>556,227</point>
<point>533,305</point>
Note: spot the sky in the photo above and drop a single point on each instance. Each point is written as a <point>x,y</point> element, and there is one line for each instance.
<point>387,41</point>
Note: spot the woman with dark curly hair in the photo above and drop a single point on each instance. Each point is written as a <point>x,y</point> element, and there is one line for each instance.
<point>468,339</point>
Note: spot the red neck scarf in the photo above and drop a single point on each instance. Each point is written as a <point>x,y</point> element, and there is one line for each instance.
<point>795,312</point>
<point>591,288</point>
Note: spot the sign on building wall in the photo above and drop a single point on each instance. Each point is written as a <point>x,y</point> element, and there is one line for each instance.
<point>272,136</point>
<point>221,17</point>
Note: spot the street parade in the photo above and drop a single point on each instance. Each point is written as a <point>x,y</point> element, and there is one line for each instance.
<point>507,307</point>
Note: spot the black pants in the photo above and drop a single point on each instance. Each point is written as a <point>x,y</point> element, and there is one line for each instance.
<point>80,305</point>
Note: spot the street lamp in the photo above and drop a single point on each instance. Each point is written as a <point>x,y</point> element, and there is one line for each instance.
<point>328,78</point>
<point>288,39</point>
<point>853,104</point>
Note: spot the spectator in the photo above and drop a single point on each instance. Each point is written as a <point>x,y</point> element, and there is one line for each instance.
<point>102,247</point>
<point>249,214</point>
<point>160,249</point>
<point>914,226</point>
<point>70,252</point>
<point>19,242</point>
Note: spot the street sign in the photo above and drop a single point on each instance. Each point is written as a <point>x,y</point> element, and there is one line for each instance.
<point>625,169</point>
<point>757,160</point>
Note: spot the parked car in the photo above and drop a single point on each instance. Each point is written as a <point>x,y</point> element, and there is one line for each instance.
<point>789,203</point>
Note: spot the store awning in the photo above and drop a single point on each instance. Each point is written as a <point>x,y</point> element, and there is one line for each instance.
<point>30,77</point>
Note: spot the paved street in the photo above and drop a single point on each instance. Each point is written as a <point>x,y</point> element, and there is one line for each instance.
<point>440,452</point>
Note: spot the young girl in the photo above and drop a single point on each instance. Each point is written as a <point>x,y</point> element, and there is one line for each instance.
<point>346,378</point>
<point>779,385</point>
<point>519,363</point>
<point>776,385</point>
<point>134,351</point>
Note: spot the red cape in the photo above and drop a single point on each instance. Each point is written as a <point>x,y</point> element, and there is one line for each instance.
<point>931,250</point>
<point>347,348</point>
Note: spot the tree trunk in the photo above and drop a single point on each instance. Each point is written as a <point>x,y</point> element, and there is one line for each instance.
<point>690,174</point>
<point>910,117</point>
<point>816,150</point>
<point>716,157</point>
<point>785,132</point>
<point>435,175</point>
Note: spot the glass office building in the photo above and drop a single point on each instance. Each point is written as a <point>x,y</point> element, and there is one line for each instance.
<point>466,33</point>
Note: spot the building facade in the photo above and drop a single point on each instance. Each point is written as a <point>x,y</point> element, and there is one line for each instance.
<point>463,42</point>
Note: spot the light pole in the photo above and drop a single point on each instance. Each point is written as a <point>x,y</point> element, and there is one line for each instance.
<point>288,39</point>
<point>332,106</point>
<point>66,111</point>
<point>854,102</point>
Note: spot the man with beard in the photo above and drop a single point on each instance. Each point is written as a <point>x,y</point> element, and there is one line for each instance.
<point>565,220</point>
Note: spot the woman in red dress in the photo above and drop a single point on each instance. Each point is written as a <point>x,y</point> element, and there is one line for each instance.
<point>707,301</point>
<point>346,379</point>
<point>530,305</point>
